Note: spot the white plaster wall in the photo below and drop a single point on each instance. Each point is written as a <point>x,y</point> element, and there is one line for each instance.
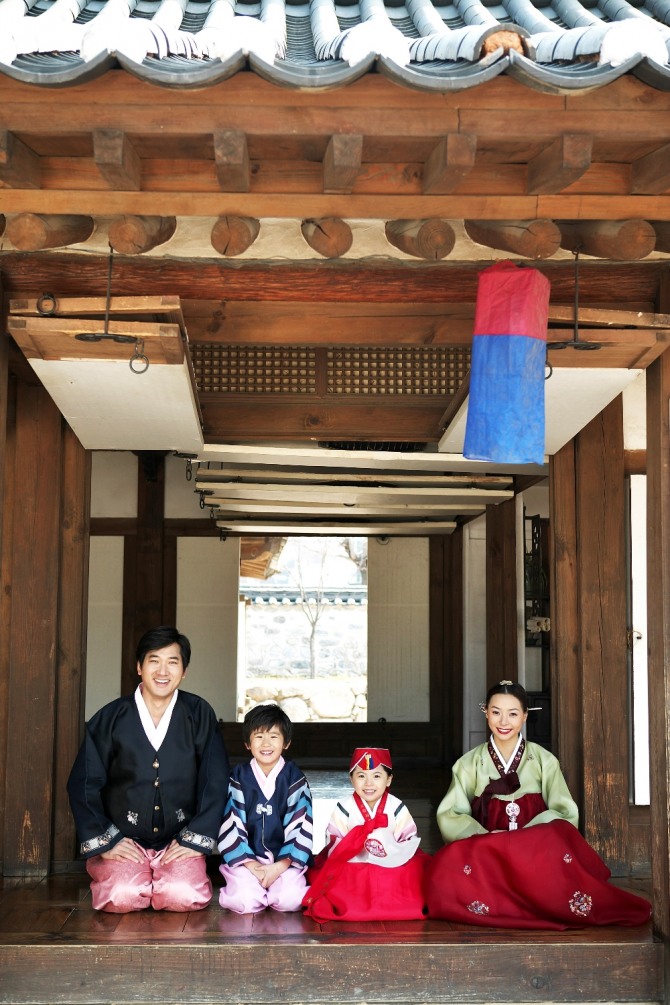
<point>105,612</point>
<point>474,631</point>
<point>113,484</point>
<point>635,414</point>
<point>398,665</point>
<point>207,612</point>
<point>638,548</point>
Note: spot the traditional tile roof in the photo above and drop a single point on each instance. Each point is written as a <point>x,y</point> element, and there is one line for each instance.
<point>557,46</point>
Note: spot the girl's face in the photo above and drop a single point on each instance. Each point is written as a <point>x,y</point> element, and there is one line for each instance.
<point>505,717</point>
<point>370,785</point>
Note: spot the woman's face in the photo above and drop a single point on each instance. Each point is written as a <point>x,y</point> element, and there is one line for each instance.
<point>505,718</point>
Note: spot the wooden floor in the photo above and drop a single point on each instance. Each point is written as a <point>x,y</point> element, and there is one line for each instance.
<point>55,949</point>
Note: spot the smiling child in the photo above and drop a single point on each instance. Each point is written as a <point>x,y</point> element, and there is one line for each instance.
<point>372,867</point>
<point>266,836</point>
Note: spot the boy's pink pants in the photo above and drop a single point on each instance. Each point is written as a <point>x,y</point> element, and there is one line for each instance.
<point>118,886</point>
<point>245,895</point>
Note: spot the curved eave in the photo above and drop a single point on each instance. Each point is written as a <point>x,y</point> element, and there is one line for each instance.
<point>62,70</point>
<point>176,72</point>
<point>310,77</point>
<point>447,77</point>
<point>569,79</point>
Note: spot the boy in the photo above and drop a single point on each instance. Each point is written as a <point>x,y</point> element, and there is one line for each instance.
<point>266,836</point>
<point>147,788</point>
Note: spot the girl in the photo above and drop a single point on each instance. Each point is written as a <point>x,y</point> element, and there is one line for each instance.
<point>372,867</point>
<point>514,857</point>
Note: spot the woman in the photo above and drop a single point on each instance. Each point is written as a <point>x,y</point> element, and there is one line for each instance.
<point>513,856</point>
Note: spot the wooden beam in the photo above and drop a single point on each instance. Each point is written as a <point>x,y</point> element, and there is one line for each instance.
<point>502,660</point>
<point>601,592</point>
<point>431,240</point>
<point>8,488</point>
<point>330,237</point>
<point>117,159</point>
<point>563,162</point>
<point>20,167</point>
<point>72,622</point>
<point>33,641</point>
<point>615,239</point>
<point>2,224</point>
<point>330,528</point>
<point>342,162</point>
<point>662,229</point>
<point>34,232</point>
<point>529,238</point>
<point>232,235</point>
<point>133,235</point>
<point>658,631</point>
<point>231,156</point>
<point>343,283</point>
<point>650,175</point>
<point>449,163</point>
<point>143,599</point>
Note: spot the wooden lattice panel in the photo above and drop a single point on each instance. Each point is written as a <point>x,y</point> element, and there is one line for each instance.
<point>407,370</point>
<point>416,371</point>
<point>232,369</point>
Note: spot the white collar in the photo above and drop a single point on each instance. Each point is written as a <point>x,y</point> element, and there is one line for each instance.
<point>507,764</point>
<point>155,734</point>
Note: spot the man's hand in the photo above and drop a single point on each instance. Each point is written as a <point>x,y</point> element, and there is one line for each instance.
<point>125,851</point>
<point>175,851</point>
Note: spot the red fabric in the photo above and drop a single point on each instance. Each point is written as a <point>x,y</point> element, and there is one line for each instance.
<point>512,300</point>
<point>361,891</point>
<point>545,876</point>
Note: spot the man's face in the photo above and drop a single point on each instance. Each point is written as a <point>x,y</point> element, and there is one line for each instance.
<point>161,671</point>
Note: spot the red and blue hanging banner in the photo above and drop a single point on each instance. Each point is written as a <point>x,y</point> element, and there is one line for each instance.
<point>506,407</point>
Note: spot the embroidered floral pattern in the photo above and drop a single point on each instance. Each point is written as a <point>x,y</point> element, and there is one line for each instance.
<point>181,816</point>
<point>201,840</point>
<point>467,869</point>
<point>567,858</point>
<point>133,817</point>
<point>477,907</point>
<point>581,903</point>
<point>102,841</point>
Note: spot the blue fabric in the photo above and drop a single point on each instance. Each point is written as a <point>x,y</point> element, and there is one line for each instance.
<point>506,407</point>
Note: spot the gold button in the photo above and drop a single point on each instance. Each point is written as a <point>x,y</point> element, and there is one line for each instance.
<point>156,783</point>
<point>155,830</point>
<point>156,807</point>
<point>155,764</point>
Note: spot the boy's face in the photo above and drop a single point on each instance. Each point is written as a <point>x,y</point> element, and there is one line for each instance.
<point>266,746</point>
<point>370,785</point>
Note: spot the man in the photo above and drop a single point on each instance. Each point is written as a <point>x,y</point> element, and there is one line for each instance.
<point>148,788</point>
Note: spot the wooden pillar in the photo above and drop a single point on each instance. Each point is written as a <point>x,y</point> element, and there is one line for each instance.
<point>601,592</point>
<point>658,634</point>
<point>502,661</point>
<point>72,622</point>
<point>143,597</point>
<point>446,641</point>
<point>6,456</point>
<point>33,634</point>
<point>565,674</point>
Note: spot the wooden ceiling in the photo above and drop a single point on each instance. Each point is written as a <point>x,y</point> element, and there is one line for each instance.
<point>341,347</point>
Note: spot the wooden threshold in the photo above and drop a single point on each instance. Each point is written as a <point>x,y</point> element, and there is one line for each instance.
<point>54,948</point>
